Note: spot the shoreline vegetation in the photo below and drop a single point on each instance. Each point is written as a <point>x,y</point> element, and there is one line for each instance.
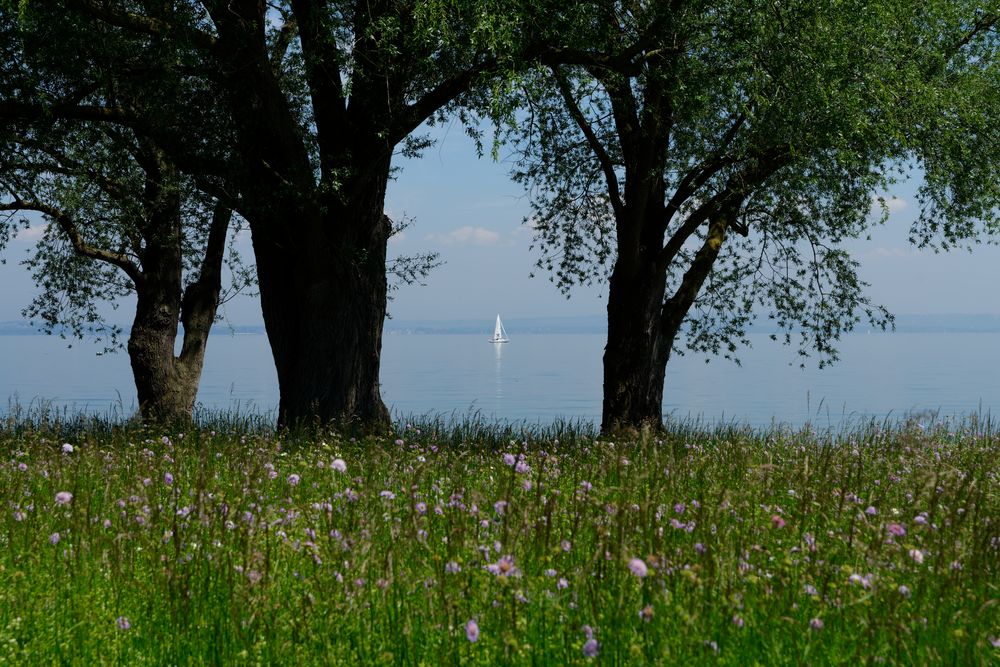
<point>468,542</point>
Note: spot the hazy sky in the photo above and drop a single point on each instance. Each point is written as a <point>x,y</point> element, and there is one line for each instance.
<point>467,209</point>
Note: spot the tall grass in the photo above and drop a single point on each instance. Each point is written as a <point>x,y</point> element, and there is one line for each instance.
<point>230,543</point>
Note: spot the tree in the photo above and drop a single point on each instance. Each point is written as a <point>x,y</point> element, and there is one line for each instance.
<point>121,219</point>
<point>709,158</point>
<point>317,96</point>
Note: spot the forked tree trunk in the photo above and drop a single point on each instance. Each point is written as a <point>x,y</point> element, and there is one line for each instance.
<point>167,383</point>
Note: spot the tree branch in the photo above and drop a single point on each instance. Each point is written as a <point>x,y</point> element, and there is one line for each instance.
<point>139,23</point>
<point>68,225</point>
<point>446,91</point>
<point>607,165</point>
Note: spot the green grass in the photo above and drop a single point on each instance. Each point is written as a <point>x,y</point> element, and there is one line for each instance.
<point>751,540</point>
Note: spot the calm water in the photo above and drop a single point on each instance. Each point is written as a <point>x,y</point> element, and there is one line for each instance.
<point>544,377</point>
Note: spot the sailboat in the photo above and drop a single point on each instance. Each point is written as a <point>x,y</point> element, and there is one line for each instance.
<point>499,333</point>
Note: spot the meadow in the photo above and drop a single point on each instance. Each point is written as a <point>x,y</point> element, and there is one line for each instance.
<point>472,543</point>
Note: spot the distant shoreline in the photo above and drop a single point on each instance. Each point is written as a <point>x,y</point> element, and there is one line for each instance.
<point>587,324</point>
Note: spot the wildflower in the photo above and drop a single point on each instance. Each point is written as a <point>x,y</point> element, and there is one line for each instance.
<point>816,624</point>
<point>421,508</point>
<point>699,548</point>
<point>64,498</point>
<point>871,511</point>
<point>646,613</point>
<point>638,567</point>
<point>811,590</point>
<point>896,529</point>
<point>521,467</point>
<point>472,631</point>
<point>388,495</point>
<point>777,521</point>
<point>550,572</point>
<point>253,576</point>
<point>917,555</point>
<point>294,479</point>
<point>565,545</point>
<point>67,448</point>
<point>737,620</point>
<point>123,623</point>
<point>168,478</point>
<point>586,486</point>
<point>920,519</point>
<point>499,507</point>
<point>591,648</point>
<point>995,642</point>
<point>339,465</point>
<point>587,631</point>
<point>22,466</point>
<point>904,590</point>
<point>509,459</point>
<point>107,524</point>
<point>504,567</point>
<point>451,567</point>
<point>562,583</point>
<point>679,508</point>
<point>527,485</point>
<point>54,538</point>
<point>399,442</point>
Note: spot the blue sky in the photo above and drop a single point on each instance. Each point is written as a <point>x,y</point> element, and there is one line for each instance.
<point>468,210</point>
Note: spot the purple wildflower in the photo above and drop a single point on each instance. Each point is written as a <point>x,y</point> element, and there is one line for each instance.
<point>472,631</point>
<point>451,567</point>
<point>509,459</point>
<point>896,529</point>
<point>522,467</point>
<point>565,545</point>
<point>421,508</point>
<point>737,620</point>
<point>679,508</point>
<point>64,498</point>
<point>777,521</point>
<point>339,465</point>
<point>904,590</point>
<point>504,567</point>
<point>168,478</point>
<point>638,567</point>
<point>816,624</point>
<point>871,511</point>
<point>22,466</point>
<point>917,555</point>
<point>294,479</point>
<point>590,648</point>
<point>67,448</point>
<point>123,623</point>
<point>562,583</point>
<point>388,495</point>
<point>54,538</point>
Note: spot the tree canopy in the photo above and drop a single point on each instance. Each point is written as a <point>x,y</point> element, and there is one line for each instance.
<point>710,158</point>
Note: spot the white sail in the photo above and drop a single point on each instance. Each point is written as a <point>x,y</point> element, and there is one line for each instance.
<point>499,333</point>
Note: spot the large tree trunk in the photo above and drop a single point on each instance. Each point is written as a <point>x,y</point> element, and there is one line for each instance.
<point>323,297</point>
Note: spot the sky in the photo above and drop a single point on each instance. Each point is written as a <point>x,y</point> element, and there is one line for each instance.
<point>467,209</point>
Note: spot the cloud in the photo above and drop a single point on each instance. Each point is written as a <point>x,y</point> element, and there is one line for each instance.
<point>467,235</point>
<point>32,233</point>
<point>894,204</point>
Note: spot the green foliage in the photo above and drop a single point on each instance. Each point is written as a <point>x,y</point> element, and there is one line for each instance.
<point>242,546</point>
<point>791,117</point>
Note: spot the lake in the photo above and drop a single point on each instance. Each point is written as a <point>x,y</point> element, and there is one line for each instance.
<point>542,377</point>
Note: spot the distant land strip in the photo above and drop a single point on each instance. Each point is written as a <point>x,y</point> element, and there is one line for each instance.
<point>582,324</point>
